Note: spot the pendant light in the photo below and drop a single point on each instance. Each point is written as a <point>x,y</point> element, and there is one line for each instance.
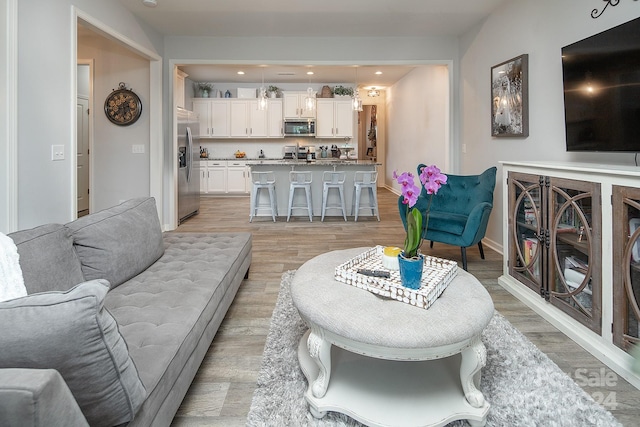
<point>374,92</point>
<point>356,102</point>
<point>310,100</point>
<point>263,104</point>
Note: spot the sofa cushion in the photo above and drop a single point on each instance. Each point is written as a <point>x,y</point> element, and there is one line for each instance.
<point>47,258</point>
<point>72,333</point>
<point>167,312</point>
<point>447,222</point>
<point>120,242</point>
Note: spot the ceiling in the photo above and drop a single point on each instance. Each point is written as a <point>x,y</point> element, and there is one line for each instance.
<point>309,18</point>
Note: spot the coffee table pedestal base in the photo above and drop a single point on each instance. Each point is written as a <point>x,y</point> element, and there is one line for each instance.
<point>390,393</point>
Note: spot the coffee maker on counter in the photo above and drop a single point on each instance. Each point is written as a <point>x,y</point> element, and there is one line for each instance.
<point>290,152</point>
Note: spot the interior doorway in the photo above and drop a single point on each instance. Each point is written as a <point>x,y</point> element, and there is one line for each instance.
<point>83,136</point>
<point>372,133</point>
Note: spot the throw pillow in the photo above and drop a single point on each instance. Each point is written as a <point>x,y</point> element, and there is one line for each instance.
<point>11,282</point>
<point>72,333</point>
<point>47,258</point>
<point>118,243</point>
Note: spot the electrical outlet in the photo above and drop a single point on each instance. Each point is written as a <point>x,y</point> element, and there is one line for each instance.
<point>464,148</point>
<point>137,149</point>
<point>57,152</point>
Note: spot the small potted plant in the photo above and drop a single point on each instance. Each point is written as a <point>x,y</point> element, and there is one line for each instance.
<point>410,260</point>
<point>273,91</point>
<point>342,91</point>
<point>205,88</point>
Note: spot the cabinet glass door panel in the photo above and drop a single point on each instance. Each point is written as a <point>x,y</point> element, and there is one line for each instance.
<point>526,229</point>
<point>575,226</point>
<point>626,286</point>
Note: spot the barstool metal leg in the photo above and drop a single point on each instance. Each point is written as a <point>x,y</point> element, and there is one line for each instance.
<point>374,198</point>
<point>357,200</point>
<point>344,209</point>
<point>274,205</point>
<point>325,194</point>
<point>254,197</point>
<point>291,191</point>
<point>307,191</point>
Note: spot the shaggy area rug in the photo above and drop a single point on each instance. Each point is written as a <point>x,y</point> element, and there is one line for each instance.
<point>523,386</point>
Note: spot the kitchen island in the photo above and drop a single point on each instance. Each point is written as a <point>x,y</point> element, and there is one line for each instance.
<point>281,169</point>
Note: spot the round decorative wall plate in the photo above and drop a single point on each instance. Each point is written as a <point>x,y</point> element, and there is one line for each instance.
<point>123,106</point>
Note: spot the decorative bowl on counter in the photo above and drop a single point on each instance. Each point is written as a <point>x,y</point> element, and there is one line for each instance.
<point>240,154</point>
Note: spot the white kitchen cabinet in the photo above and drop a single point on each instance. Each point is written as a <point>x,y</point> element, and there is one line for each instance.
<point>178,88</point>
<point>203,177</point>
<point>224,176</point>
<point>294,106</point>
<point>237,177</point>
<point>274,119</point>
<point>213,177</point>
<point>247,121</point>
<point>215,117</point>
<point>334,118</point>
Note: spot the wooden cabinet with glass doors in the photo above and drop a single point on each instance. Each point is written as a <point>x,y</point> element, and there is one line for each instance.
<point>555,242</point>
<point>626,272</point>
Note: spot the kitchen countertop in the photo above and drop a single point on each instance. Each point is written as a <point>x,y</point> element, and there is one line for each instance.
<point>319,162</point>
<point>294,162</point>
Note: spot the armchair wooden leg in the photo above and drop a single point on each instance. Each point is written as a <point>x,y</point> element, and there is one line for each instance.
<point>481,250</point>
<point>464,257</point>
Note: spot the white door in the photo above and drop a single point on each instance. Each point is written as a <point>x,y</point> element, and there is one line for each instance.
<point>82,112</point>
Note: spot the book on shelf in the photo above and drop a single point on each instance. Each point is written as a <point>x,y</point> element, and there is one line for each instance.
<point>566,228</point>
<point>530,247</point>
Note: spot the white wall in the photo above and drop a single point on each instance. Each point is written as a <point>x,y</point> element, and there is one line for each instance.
<point>539,28</point>
<point>418,122</point>
<point>8,171</point>
<point>46,104</point>
<point>117,173</point>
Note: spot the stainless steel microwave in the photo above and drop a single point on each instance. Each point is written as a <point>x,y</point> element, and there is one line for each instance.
<point>299,128</point>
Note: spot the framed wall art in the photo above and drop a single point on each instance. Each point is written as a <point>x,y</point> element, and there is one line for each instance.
<point>510,98</point>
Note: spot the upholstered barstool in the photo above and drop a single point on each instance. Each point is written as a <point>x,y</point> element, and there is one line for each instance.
<point>263,181</point>
<point>365,180</point>
<point>300,180</point>
<point>333,180</point>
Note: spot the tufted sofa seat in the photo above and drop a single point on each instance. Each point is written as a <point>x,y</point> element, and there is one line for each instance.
<point>152,302</point>
<point>169,313</point>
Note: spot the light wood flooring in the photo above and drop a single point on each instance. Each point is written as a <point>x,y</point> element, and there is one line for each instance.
<point>222,390</point>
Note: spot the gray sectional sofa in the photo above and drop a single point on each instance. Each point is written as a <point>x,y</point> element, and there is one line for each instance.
<point>117,319</point>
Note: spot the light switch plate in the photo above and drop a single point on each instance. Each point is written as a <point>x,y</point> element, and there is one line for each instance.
<point>57,152</point>
<point>137,149</point>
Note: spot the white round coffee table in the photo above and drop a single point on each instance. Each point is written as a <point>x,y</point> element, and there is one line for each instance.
<point>387,363</point>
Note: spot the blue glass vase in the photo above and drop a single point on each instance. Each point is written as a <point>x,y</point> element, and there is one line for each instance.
<point>411,271</point>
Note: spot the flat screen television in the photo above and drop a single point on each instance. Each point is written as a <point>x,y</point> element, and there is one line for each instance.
<point>601,78</point>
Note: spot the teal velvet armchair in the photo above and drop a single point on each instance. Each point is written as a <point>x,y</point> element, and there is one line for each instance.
<point>460,211</point>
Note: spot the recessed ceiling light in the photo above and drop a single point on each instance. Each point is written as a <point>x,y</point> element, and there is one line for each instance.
<point>150,3</point>
<point>309,73</point>
<point>378,72</point>
<point>241,73</point>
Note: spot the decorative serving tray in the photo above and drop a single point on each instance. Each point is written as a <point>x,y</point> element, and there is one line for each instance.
<point>437,273</point>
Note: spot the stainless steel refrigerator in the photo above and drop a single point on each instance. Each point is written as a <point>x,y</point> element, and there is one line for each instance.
<point>188,164</point>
